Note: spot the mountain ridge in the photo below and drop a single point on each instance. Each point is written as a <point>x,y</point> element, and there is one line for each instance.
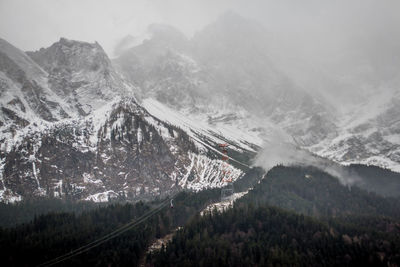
<point>115,150</point>
<point>72,96</point>
<point>223,72</point>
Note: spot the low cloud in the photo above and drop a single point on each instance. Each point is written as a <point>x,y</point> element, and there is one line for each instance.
<point>280,150</point>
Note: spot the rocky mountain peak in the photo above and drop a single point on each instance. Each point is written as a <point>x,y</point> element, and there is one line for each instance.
<point>81,74</point>
<point>69,55</point>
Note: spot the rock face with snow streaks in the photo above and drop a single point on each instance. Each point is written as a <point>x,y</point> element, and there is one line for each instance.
<point>104,146</point>
<point>74,123</point>
<point>81,74</point>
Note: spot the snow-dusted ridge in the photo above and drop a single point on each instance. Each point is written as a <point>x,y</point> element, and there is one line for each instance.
<point>90,139</point>
<point>197,125</point>
<point>242,92</point>
<point>69,123</point>
<point>92,135</point>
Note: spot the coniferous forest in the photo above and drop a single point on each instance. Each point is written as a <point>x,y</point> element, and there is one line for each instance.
<point>295,216</point>
<point>265,236</point>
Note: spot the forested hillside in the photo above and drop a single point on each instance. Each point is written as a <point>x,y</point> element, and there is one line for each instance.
<point>310,191</point>
<point>297,216</point>
<point>24,211</point>
<point>49,236</point>
<point>267,236</point>
<point>375,179</point>
<point>320,222</point>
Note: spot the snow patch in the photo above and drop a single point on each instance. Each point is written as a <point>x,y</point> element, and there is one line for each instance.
<point>103,196</point>
<point>223,205</point>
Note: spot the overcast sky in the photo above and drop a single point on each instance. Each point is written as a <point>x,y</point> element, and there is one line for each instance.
<point>38,23</point>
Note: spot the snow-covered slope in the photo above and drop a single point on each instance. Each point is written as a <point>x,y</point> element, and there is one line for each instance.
<point>25,97</point>
<point>227,80</point>
<point>369,134</point>
<point>216,127</point>
<point>105,146</point>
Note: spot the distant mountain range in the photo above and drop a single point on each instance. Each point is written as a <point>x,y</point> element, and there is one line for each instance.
<point>74,123</point>
<point>231,67</point>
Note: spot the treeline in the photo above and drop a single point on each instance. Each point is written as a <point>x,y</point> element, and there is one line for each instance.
<point>266,236</point>
<point>316,221</point>
<point>24,211</point>
<point>49,236</point>
<point>375,179</point>
<point>310,191</point>
<point>250,178</point>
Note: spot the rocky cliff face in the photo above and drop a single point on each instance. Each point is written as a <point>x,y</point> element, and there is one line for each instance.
<point>104,146</point>
<point>136,156</point>
<point>23,90</point>
<point>80,74</point>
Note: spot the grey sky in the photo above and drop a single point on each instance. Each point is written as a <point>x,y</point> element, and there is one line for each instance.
<point>38,23</point>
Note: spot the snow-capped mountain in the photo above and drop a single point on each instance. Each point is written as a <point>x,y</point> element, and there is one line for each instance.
<point>368,134</point>
<point>70,125</point>
<point>83,135</point>
<point>230,72</point>
<point>81,75</point>
<point>226,69</point>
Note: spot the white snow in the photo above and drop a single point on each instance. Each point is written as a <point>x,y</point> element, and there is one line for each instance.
<point>197,125</point>
<point>35,174</point>
<point>223,205</point>
<point>139,135</point>
<point>6,195</point>
<point>58,189</point>
<point>102,197</point>
<point>206,173</point>
<point>90,179</point>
